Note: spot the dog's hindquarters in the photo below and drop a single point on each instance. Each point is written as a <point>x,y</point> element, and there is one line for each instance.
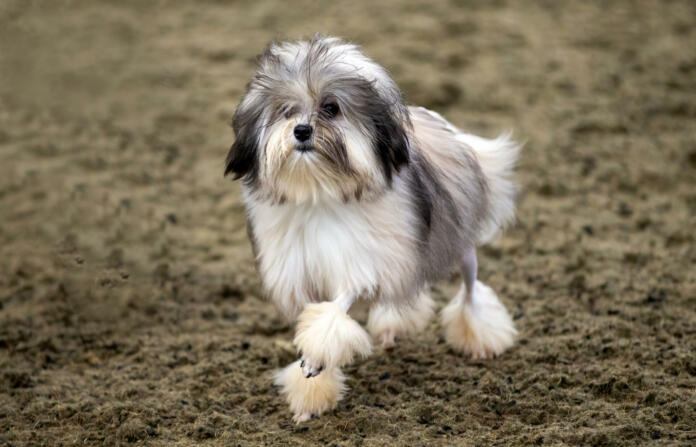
<point>475,171</point>
<point>475,174</point>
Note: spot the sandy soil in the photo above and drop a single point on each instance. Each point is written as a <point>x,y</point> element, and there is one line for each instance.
<point>130,311</point>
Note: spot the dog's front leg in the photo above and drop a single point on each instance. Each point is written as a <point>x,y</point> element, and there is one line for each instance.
<point>327,337</point>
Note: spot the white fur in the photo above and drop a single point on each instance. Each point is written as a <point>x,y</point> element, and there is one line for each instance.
<point>328,337</point>
<point>309,252</point>
<point>313,396</point>
<point>478,326</point>
<point>497,159</point>
<point>387,322</point>
<point>302,177</point>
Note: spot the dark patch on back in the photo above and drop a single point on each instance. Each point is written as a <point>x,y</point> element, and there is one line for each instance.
<point>422,198</point>
<point>428,193</point>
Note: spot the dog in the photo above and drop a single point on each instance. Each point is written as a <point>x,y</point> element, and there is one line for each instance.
<point>350,194</point>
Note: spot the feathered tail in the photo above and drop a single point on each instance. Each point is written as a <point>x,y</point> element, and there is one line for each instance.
<point>497,159</point>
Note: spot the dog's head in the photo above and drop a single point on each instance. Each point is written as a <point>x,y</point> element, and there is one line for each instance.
<point>319,120</point>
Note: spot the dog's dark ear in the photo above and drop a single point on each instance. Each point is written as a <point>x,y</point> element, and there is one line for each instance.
<point>242,159</point>
<point>391,140</point>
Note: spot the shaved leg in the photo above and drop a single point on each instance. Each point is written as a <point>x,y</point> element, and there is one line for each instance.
<point>476,322</point>
<point>469,271</point>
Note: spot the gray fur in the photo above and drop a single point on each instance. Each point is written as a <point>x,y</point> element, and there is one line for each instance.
<point>375,106</point>
<point>437,172</point>
<point>455,208</point>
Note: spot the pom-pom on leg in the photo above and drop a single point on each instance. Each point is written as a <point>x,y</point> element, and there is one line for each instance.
<point>313,396</point>
<point>329,338</point>
<point>387,322</point>
<point>478,325</point>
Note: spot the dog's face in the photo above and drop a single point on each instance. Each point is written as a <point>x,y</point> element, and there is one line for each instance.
<point>319,119</point>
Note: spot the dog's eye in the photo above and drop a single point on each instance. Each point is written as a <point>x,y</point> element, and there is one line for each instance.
<point>330,109</point>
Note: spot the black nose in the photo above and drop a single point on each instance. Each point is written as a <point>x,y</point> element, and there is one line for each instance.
<point>303,132</point>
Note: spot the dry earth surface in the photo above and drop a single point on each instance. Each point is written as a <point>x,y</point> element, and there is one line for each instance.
<point>130,310</point>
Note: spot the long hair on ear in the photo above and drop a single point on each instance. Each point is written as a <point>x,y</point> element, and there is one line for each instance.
<point>382,112</point>
<point>242,159</point>
<point>390,139</point>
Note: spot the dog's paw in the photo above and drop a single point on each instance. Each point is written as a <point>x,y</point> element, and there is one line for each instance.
<point>388,323</point>
<point>310,368</point>
<point>299,418</point>
<point>312,396</point>
<point>327,336</point>
<point>388,339</point>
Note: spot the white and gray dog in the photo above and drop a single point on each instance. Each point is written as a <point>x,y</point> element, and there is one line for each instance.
<point>351,194</point>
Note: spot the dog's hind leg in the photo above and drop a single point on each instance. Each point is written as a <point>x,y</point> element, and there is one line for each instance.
<point>387,322</point>
<point>476,322</point>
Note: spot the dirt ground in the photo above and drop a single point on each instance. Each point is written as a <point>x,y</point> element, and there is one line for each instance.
<point>130,311</point>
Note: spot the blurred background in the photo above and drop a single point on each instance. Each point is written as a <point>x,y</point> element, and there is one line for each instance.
<point>130,311</point>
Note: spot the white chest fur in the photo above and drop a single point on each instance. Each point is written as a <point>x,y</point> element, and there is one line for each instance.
<point>320,251</point>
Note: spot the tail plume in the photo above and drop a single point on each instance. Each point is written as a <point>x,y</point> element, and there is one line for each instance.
<point>497,158</point>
